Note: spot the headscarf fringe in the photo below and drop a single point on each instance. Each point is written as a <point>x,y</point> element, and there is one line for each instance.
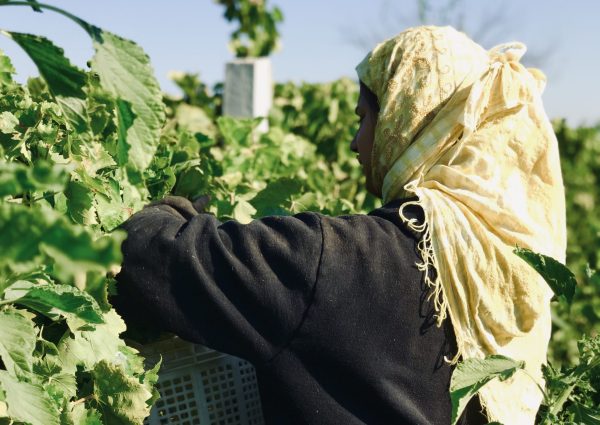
<point>427,254</point>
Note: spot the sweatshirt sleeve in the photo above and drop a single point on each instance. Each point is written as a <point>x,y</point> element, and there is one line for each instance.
<point>239,289</point>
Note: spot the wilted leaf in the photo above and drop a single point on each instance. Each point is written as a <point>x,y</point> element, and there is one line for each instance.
<point>122,399</point>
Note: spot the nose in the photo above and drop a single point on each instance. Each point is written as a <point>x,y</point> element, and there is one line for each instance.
<point>354,145</point>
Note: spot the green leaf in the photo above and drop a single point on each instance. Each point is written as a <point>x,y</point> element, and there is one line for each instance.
<point>122,398</point>
<point>124,70</point>
<point>17,341</point>
<point>76,251</point>
<point>59,385</point>
<point>16,179</point>
<point>110,207</point>
<point>64,80</point>
<point>8,122</point>
<point>195,120</point>
<point>305,202</point>
<point>471,375</point>
<point>15,221</point>
<point>55,301</point>
<point>592,275</point>
<point>190,182</point>
<point>80,202</point>
<point>125,119</point>
<point>237,131</point>
<point>243,212</point>
<point>585,415</point>
<point>150,379</point>
<point>559,278</point>
<point>6,69</point>
<point>81,415</point>
<point>275,199</point>
<point>73,250</point>
<point>88,347</point>
<point>28,402</point>
<point>35,6</point>
<point>92,155</point>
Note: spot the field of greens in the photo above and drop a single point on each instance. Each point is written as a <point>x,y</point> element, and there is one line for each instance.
<point>82,150</point>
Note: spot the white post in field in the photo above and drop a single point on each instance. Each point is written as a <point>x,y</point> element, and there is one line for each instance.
<point>249,89</point>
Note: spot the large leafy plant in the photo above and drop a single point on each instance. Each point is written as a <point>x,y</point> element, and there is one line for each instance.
<point>321,114</point>
<point>80,152</point>
<point>74,146</point>
<point>580,162</point>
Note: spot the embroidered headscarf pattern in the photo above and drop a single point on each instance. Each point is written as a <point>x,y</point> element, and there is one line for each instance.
<point>465,130</point>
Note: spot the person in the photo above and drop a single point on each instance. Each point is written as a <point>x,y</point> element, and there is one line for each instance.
<point>359,319</point>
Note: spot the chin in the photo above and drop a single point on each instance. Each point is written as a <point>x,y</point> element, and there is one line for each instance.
<point>372,190</point>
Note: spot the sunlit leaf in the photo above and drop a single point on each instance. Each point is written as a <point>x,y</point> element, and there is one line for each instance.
<point>64,80</point>
<point>17,341</point>
<point>28,402</point>
<point>471,375</point>
<point>560,279</point>
<point>124,70</point>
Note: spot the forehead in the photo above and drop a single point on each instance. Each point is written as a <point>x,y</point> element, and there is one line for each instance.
<point>362,97</point>
<point>366,100</point>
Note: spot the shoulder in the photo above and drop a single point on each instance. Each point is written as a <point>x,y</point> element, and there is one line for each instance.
<point>379,226</point>
<point>384,222</point>
<point>278,229</point>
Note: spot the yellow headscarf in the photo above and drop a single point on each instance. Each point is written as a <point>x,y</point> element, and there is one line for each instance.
<point>465,130</point>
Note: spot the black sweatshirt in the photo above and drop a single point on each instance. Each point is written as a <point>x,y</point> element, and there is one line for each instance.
<point>332,311</point>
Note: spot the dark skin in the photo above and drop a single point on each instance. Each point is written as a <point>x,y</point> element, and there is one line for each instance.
<point>362,143</point>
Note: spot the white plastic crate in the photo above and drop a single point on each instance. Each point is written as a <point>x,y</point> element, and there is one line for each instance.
<point>202,386</point>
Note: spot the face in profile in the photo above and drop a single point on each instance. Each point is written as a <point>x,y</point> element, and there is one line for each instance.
<point>362,144</point>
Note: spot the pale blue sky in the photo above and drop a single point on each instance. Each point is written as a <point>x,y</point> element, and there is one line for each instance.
<point>325,39</point>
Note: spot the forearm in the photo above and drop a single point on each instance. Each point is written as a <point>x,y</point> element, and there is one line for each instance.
<point>240,289</point>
